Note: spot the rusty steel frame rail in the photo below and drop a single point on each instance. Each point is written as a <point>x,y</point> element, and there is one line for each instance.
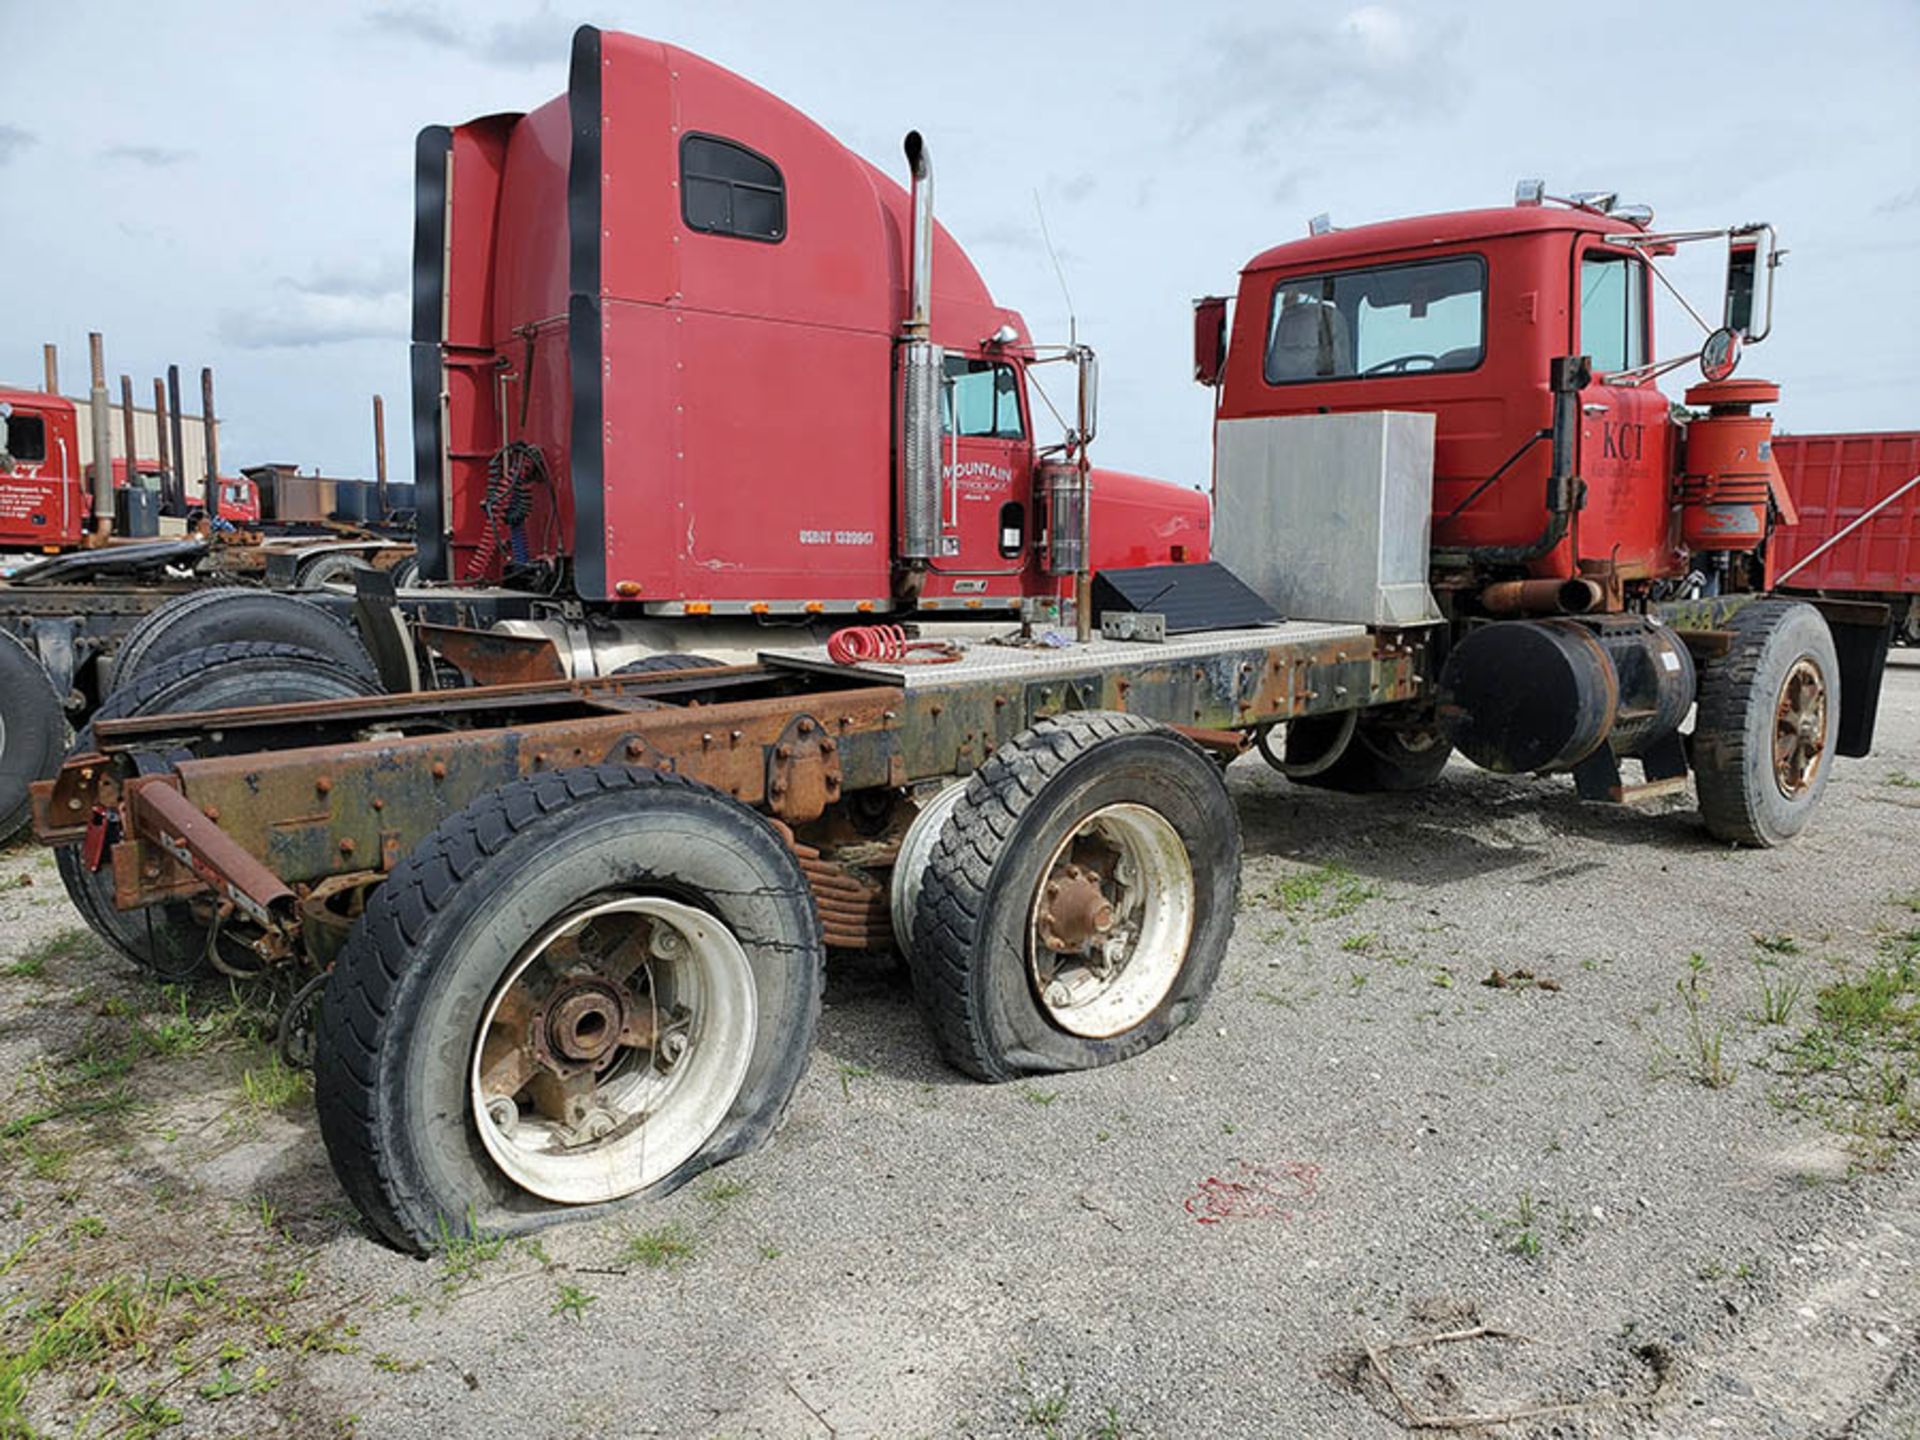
<point>305,817</point>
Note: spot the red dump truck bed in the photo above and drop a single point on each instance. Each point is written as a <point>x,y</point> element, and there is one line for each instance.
<point>1833,479</point>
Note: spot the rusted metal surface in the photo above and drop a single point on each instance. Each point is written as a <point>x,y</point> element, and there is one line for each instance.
<point>160,815</point>
<point>852,902</point>
<point>494,657</point>
<point>803,773</point>
<point>1227,743</point>
<point>310,794</point>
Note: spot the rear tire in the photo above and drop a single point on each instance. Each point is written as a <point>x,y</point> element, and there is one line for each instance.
<point>33,731</point>
<point>1769,716</point>
<point>334,569</point>
<point>228,614</point>
<point>169,939</point>
<point>1098,798</point>
<point>1381,758</point>
<point>436,960</point>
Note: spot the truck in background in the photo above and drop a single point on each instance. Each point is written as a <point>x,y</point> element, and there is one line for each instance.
<point>1858,531</point>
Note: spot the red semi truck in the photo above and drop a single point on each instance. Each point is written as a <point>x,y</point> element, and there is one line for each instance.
<point>663,359</point>
<point>46,492</point>
<point>1858,530</point>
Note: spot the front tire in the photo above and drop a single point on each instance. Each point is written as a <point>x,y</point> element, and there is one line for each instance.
<point>488,1059</point>
<point>1077,906</point>
<point>1769,716</point>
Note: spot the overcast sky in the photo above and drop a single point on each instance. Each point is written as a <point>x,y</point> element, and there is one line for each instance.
<point>230,184</point>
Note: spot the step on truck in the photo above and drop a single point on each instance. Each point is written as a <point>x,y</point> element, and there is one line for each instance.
<point>565,938</point>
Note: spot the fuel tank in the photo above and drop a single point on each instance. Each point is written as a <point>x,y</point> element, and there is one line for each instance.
<point>1519,696</point>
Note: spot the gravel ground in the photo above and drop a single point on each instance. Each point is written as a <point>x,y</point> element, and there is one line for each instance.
<point>1624,1191</point>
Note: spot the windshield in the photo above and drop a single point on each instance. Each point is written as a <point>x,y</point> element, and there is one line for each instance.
<point>1387,320</point>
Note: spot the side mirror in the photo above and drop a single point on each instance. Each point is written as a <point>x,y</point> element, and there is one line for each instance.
<point>1209,339</point>
<point>1752,254</point>
<point>1720,354</point>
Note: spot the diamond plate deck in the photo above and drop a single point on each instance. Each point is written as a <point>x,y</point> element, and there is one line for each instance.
<point>984,661</point>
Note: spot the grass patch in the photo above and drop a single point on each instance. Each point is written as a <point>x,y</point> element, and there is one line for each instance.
<point>275,1085</point>
<point>664,1248</point>
<point>850,1071</point>
<point>1900,780</point>
<point>1777,998</point>
<point>1327,892</point>
<point>572,1302</point>
<point>723,1192</point>
<point>76,942</point>
<point>1705,1044</point>
<point>1853,1066</point>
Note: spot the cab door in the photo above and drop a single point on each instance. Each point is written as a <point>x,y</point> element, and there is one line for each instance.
<point>986,469</point>
<point>1626,433</point>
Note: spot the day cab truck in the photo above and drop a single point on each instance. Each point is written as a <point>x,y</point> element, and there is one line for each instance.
<point>563,940</point>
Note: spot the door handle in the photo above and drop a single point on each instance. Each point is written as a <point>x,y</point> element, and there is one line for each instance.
<point>1592,409</point>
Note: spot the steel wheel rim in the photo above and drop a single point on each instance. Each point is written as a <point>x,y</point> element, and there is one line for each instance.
<point>1799,729</point>
<point>1136,862</point>
<point>648,1107</point>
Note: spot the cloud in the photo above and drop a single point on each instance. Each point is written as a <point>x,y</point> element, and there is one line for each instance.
<point>540,39</point>
<point>13,140</point>
<point>334,307</point>
<point>1892,205</point>
<point>154,157</point>
<point>1370,67</point>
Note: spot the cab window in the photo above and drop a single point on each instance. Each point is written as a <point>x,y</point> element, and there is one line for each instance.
<point>985,394</point>
<point>727,189</point>
<point>23,439</point>
<point>1385,320</point>
<point>1613,312</point>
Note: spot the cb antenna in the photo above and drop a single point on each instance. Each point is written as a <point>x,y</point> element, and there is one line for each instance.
<point>1073,323</point>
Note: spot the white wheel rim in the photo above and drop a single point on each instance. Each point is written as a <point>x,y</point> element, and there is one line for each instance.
<point>1122,973</point>
<point>647,1109</point>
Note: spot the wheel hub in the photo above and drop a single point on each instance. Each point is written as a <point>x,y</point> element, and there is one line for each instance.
<point>613,1047</point>
<point>1110,921</point>
<point>1073,909</point>
<point>1800,729</point>
<point>585,1022</point>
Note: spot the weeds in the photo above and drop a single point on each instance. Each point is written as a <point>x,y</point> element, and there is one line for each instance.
<point>1034,1095</point>
<point>1776,1000</point>
<point>74,943</point>
<point>664,1248</point>
<point>275,1086</point>
<point>1705,1045</point>
<point>723,1192</point>
<point>463,1253</point>
<point>850,1071</point>
<point>1900,780</point>
<point>1326,892</point>
<point>1778,944</point>
<point>1518,1233</point>
<point>572,1302</point>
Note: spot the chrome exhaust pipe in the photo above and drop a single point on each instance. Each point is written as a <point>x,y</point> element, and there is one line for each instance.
<point>920,288</point>
<point>922,373</point>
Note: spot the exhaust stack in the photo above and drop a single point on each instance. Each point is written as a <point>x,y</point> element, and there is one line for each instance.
<point>920,293</point>
<point>50,363</point>
<point>922,372</point>
<point>177,503</point>
<point>380,458</point>
<point>102,438</point>
<point>161,446</point>
<point>211,500</point>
